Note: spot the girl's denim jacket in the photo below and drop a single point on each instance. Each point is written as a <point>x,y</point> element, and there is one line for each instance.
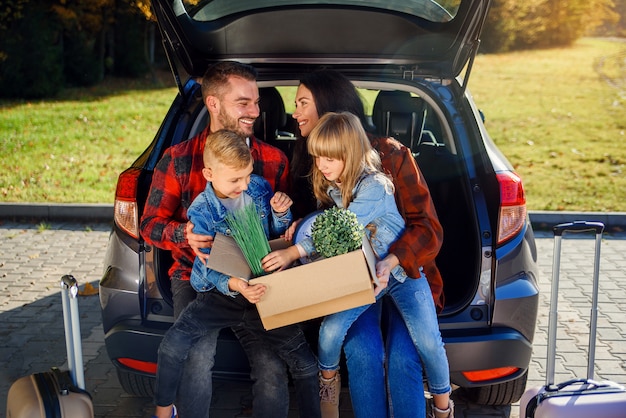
<point>374,204</point>
<point>208,216</point>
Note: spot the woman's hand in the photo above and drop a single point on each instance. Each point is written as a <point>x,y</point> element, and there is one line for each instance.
<point>252,293</point>
<point>280,202</point>
<point>291,231</point>
<point>280,259</point>
<point>383,271</point>
<point>198,241</point>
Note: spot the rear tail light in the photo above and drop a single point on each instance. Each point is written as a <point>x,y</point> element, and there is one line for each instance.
<point>490,374</point>
<point>126,213</point>
<point>142,366</point>
<point>512,206</point>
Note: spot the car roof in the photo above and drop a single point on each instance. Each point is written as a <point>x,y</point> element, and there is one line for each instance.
<point>425,37</point>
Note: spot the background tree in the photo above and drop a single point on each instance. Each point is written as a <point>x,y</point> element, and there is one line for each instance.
<point>46,45</point>
<point>515,25</point>
<point>30,50</point>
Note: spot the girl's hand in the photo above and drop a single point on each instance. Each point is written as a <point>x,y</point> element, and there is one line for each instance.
<point>280,259</point>
<point>198,241</point>
<point>252,293</point>
<point>280,202</point>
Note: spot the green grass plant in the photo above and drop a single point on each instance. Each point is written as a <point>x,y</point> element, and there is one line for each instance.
<point>248,232</point>
<point>557,114</point>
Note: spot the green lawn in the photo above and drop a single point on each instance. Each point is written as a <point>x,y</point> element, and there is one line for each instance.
<point>559,116</point>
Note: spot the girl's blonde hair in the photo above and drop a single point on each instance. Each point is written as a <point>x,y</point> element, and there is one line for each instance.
<point>341,136</point>
<point>228,148</point>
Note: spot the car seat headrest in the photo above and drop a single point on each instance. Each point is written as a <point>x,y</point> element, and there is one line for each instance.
<point>272,115</point>
<point>399,115</point>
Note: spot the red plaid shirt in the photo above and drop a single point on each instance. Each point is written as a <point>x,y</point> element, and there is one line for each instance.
<point>422,239</point>
<point>177,180</point>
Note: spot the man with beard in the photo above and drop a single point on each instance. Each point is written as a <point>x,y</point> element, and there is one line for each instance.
<point>231,96</point>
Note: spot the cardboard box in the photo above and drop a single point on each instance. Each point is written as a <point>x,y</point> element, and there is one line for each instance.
<point>303,292</point>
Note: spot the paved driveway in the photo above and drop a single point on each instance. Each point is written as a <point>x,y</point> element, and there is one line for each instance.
<point>33,258</point>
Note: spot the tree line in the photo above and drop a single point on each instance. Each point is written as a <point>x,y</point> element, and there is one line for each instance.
<point>47,45</point>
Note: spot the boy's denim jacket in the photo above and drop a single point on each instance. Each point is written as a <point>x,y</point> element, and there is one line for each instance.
<point>208,216</point>
<point>374,204</point>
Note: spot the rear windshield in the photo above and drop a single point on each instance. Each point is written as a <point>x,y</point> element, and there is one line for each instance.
<point>436,11</point>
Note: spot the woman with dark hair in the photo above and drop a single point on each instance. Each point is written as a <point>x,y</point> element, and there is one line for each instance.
<point>319,92</point>
<point>329,91</point>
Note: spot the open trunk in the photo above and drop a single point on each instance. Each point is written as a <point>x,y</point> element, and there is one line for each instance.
<point>414,120</point>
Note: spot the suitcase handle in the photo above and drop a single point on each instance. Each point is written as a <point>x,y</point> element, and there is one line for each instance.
<point>69,282</point>
<point>578,226</point>
<point>69,294</point>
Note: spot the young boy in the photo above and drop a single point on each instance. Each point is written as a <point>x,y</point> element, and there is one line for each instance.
<point>225,301</point>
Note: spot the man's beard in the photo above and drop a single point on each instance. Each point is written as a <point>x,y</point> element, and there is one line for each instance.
<point>232,124</point>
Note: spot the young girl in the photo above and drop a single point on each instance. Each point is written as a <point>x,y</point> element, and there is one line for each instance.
<point>347,174</point>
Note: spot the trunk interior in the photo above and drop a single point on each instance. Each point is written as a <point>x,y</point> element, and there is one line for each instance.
<point>414,123</point>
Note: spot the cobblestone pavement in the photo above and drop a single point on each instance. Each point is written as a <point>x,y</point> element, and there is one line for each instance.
<point>33,257</point>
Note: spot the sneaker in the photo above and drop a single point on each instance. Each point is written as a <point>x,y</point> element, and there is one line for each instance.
<point>443,413</point>
<point>329,396</point>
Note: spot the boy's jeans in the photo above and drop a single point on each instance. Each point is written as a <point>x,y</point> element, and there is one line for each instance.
<point>414,302</point>
<point>270,385</point>
<point>212,311</point>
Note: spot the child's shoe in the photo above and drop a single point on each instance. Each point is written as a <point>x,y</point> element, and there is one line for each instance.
<point>329,396</point>
<point>443,413</point>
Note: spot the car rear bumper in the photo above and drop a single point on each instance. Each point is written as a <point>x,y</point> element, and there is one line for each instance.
<point>499,348</point>
<point>131,340</point>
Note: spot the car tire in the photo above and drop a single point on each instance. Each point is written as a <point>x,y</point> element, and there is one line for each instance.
<point>136,384</point>
<point>499,394</point>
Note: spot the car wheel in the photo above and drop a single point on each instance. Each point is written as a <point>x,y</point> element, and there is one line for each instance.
<point>500,394</point>
<point>136,384</point>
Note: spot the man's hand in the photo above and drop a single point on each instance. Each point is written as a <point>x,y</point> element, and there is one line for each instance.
<point>198,241</point>
<point>383,270</point>
<point>252,293</point>
<point>280,202</point>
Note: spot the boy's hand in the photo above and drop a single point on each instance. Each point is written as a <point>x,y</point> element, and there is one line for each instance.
<point>280,202</point>
<point>198,241</point>
<point>252,293</point>
<point>280,259</point>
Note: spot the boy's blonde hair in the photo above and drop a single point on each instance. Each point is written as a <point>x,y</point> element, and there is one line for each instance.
<point>228,148</point>
<point>341,136</point>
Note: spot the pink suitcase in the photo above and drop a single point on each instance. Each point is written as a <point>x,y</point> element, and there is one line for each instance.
<point>55,393</point>
<point>576,398</point>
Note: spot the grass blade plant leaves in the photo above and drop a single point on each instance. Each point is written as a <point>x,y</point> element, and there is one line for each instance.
<point>248,232</point>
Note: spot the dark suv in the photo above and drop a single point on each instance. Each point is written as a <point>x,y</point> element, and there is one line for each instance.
<point>411,61</point>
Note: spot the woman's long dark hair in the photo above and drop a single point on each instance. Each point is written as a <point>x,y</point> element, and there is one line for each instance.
<point>332,92</point>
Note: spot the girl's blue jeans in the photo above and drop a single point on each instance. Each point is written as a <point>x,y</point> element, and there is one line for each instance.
<point>414,303</point>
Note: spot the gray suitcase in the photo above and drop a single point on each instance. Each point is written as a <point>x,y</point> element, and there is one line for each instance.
<point>55,393</point>
<point>576,398</point>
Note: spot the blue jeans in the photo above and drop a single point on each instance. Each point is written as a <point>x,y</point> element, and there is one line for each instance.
<point>402,393</point>
<point>268,370</point>
<point>415,305</point>
<point>196,386</point>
